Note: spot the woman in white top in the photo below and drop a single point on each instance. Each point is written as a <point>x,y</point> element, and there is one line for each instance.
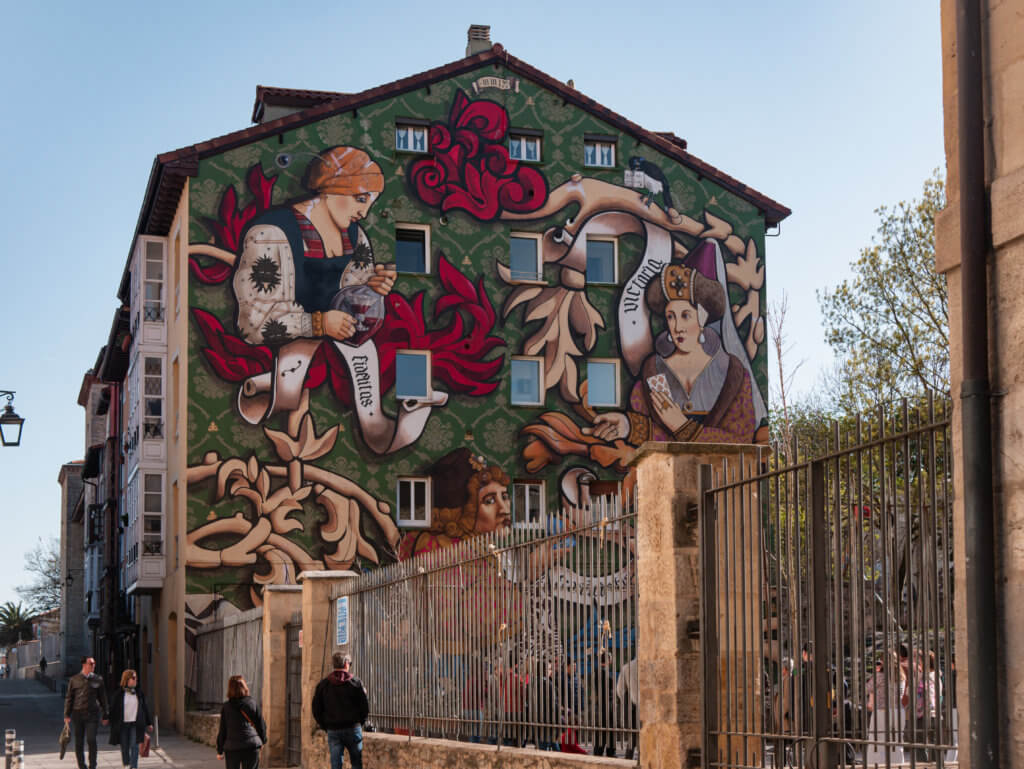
<point>129,719</point>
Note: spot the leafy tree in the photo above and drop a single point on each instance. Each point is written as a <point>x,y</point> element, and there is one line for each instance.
<point>15,624</point>
<point>889,323</point>
<point>43,563</point>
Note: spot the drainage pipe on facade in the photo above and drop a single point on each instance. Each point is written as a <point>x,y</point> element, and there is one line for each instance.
<point>983,696</point>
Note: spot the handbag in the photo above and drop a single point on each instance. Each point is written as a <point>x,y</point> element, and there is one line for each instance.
<point>144,747</point>
<point>64,739</point>
<point>246,717</point>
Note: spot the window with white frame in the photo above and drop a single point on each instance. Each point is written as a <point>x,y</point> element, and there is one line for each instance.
<point>602,260</point>
<point>528,504</point>
<point>524,256</point>
<point>153,390</point>
<point>412,374</point>
<point>413,508</point>
<point>599,152</point>
<point>525,385</point>
<point>522,146</point>
<point>152,513</point>
<point>153,283</point>
<point>603,383</point>
<point>412,244</point>
<point>410,137</point>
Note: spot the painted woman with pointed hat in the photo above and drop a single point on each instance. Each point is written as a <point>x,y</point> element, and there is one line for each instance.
<point>691,388</point>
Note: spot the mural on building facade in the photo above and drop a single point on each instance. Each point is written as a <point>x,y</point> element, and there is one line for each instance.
<point>693,381</point>
<point>312,308</point>
<point>296,313</point>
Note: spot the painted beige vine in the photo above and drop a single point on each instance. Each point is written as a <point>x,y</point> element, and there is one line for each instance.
<point>272,493</point>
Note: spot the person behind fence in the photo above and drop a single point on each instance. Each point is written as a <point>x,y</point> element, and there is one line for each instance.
<point>925,707</point>
<point>340,708</point>
<point>474,699</point>
<point>242,729</point>
<point>572,702</point>
<point>129,719</point>
<point>602,686</point>
<point>84,707</point>
<point>545,701</point>
<point>513,686</point>
<point>626,688</point>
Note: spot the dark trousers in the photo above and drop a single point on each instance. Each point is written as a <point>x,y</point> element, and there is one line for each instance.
<point>604,743</point>
<point>242,759</point>
<point>351,738</point>
<point>85,726</point>
<point>129,746</point>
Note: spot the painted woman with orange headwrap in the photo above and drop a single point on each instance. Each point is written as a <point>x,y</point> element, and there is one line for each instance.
<point>297,257</point>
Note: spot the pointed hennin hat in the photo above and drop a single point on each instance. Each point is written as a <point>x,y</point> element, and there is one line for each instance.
<point>688,281</point>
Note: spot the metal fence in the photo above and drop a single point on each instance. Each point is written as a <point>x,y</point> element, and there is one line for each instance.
<point>516,637</point>
<point>828,599</point>
<point>228,647</point>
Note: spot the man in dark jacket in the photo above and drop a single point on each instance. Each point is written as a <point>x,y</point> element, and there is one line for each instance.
<point>84,706</point>
<point>340,708</point>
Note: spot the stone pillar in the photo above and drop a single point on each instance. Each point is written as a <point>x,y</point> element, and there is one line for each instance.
<point>671,701</point>
<point>317,647</point>
<point>280,603</point>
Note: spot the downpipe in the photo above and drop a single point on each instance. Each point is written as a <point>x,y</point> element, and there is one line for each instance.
<point>975,397</point>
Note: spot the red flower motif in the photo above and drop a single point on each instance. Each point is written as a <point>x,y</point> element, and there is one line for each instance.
<point>234,359</point>
<point>458,349</point>
<point>229,227</point>
<point>469,168</point>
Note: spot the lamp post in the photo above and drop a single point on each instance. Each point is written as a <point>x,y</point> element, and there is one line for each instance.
<point>10,422</point>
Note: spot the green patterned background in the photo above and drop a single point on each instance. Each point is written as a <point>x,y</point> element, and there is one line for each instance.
<point>472,247</point>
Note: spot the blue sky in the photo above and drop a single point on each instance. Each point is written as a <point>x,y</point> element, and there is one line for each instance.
<point>830,108</point>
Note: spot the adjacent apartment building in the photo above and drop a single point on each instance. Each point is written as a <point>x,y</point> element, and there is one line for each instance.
<point>348,320</point>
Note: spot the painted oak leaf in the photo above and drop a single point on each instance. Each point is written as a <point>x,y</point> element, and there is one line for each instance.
<point>307,445</point>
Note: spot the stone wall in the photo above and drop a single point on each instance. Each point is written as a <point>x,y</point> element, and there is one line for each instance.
<point>1003,62</point>
<point>392,751</point>
<point>202,726</point>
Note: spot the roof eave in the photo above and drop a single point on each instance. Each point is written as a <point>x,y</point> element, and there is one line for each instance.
<point>172,168</point>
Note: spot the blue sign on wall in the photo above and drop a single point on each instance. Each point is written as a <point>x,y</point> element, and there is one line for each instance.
<point>342,628</point>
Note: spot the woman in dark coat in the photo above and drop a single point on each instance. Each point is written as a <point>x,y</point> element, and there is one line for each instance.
<point>129,719</point>
<point>242,730</point>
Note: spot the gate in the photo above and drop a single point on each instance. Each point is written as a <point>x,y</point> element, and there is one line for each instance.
<point>293,691</point>
<point>828,606</point>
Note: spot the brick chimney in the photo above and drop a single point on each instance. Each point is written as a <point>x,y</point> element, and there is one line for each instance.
<point>478,39</point>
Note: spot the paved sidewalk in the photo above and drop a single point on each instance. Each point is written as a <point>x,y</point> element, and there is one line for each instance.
<point>37,715</point>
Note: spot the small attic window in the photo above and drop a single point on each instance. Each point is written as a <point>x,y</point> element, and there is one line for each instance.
<point>411,136</point>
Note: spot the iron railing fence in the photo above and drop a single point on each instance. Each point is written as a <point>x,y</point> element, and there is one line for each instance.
<point>514,637</point>
<point>233,646</point>
<point>828,607</point>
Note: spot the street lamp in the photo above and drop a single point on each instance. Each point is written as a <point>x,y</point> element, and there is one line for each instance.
<point>10,422</point>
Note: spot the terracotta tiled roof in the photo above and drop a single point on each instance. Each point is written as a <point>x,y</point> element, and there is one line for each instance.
<point>170,169</point>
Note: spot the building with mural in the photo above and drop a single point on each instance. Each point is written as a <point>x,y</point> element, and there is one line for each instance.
<point>373,324</point>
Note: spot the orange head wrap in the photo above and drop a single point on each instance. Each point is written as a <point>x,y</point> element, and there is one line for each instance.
<point>344,171</point>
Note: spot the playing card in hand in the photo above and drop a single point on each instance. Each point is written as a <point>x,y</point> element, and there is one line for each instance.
<point>658,383</point>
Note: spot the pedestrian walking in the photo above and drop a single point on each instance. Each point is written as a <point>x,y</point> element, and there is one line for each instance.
<point>84,707</point>
<point>129,719</point>
<point>242,729</point>
<point>340,708</point>
<point>602,688</point>
<point>42,665</point>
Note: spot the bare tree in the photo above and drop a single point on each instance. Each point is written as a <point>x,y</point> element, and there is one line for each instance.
<point>777,333</point>
<point>43,563</point>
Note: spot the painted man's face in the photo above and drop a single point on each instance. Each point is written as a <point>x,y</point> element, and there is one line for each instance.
<point>493,509</point>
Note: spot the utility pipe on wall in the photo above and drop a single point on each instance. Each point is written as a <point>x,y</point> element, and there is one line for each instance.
<point>983,695</point>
